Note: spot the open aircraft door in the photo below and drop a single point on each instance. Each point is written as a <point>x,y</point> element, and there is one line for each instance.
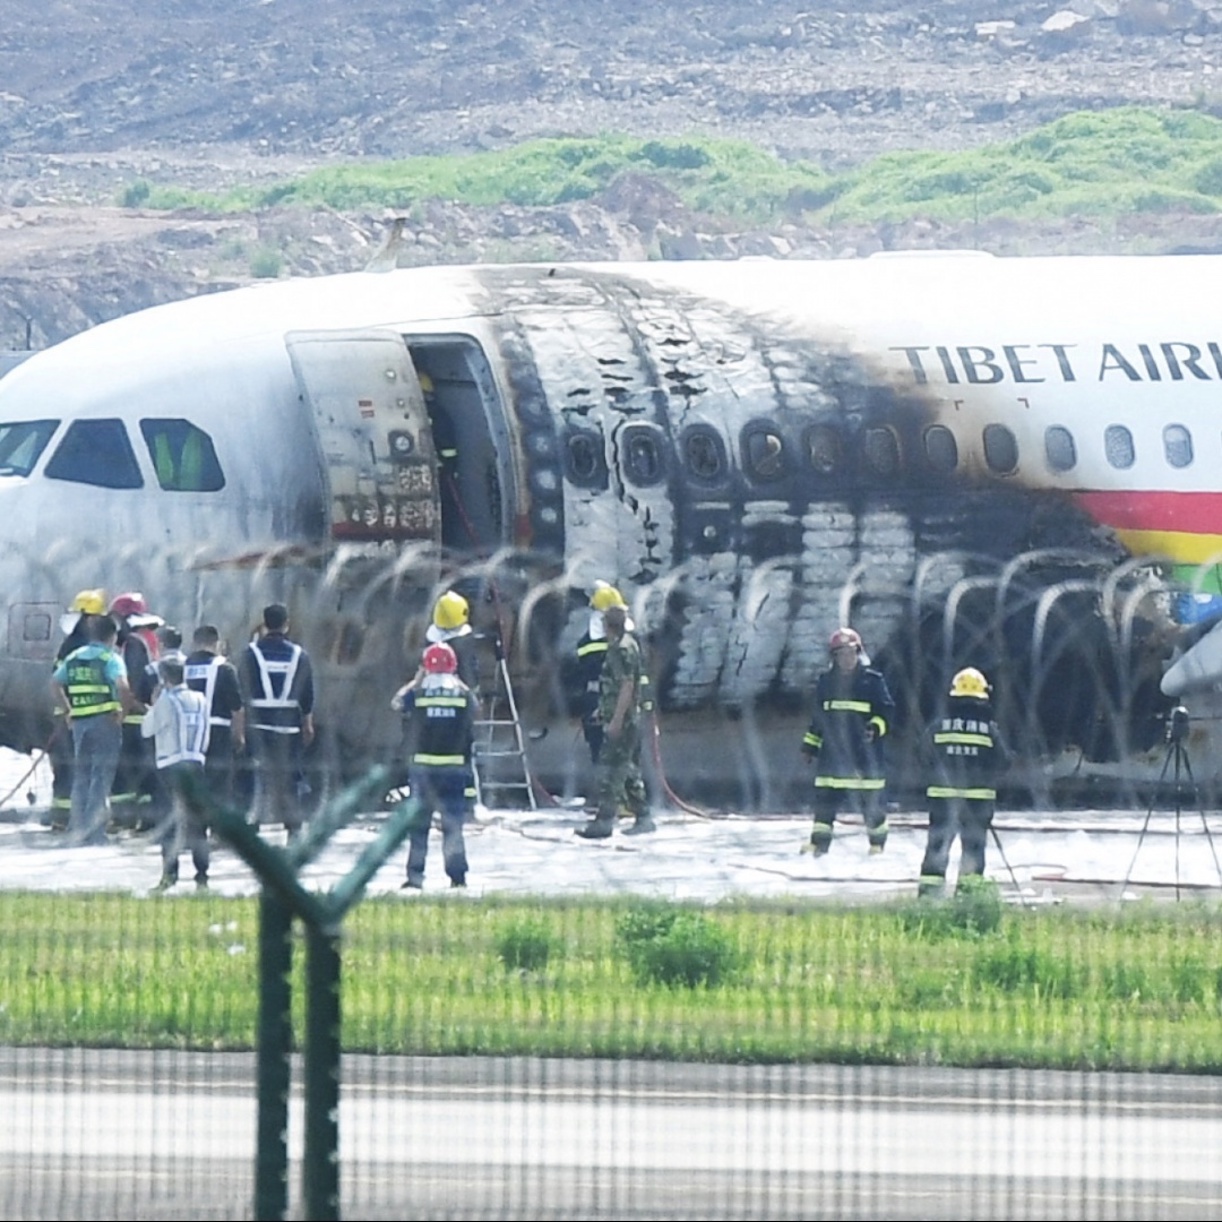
<point>373,432</point>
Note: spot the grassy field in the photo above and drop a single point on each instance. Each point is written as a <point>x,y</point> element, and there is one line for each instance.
<point>1101,164</point>
<point>962,984</point>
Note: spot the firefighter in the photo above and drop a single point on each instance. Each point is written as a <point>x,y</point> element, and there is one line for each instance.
<point>452,626</point>
<point>619,710</point>
<point>853,709</point>
<point>582,674</point>
<point>90,685</point>
<point>968,755</point>
<point>211,674</point>
<point>278,692</point>
<point>439,711</point>
<point>136,799</point>
<point>77,624</point>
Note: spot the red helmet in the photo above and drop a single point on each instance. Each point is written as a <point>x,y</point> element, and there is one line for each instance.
<point>842,637</point>
<point>129,604</point>
<point>439,659</point>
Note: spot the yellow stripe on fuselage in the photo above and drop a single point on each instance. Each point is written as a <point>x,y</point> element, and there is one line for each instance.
<point>1177,545</point>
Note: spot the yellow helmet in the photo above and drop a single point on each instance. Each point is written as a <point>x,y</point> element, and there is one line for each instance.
<point>970,682</point>
<point>90,602</point>
<point>606,595</point>
<point>451,611</point>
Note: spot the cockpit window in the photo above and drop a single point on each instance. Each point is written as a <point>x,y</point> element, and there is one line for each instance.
<point>21,445</point>
<point>183,456</point>
<point>96,452</point>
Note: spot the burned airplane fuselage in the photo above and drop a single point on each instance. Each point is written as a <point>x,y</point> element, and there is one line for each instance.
<point>753,452</point>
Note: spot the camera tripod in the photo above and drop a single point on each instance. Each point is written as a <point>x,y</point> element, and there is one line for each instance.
<point>1177,759</point>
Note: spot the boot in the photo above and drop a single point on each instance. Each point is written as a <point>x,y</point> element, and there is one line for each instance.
<point>644,823</point>
<point>599,828</point>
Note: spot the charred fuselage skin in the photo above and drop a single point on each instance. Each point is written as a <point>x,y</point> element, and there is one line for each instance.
<point>753,488</point>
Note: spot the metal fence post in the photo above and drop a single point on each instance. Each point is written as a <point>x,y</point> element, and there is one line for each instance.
<point>275,1041</point>
<point>320,1168</point>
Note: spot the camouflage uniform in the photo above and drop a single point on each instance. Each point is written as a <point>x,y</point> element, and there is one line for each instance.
<point>618,771</point>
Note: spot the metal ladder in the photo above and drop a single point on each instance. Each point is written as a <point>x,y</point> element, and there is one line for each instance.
<point>498,736</point>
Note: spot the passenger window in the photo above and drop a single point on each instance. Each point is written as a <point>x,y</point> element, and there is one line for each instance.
<point>1177,445</point>
<point>763,453</point>
<point>941,448</point>
<point>704,454</point>
<point>584,454</point>
<point>1118,446</point>
<point>1059,448</point>
<point>882,451</point>
<point>825,449</point>
<point>183,456</point>
<point>1000,449</point>
<point>21,445</point>
<point>642,455</point>
<point>96,452</point>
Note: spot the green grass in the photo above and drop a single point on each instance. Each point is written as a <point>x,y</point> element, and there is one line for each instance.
<point>1139,989</point>
<point>1100,164</point>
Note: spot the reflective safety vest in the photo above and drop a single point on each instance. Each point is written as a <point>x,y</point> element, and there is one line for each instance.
<point>269,702</point>
<point>206,673</point>
<point>88,689</point>
<point>441,721</point>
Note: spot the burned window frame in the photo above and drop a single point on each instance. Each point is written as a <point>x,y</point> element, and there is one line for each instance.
<point>999,437</point>
<point>630,442</point>
<point>929,446</point>
<point>837,451</point>
<point>763,428</point>
<point>596,477</point>
<point>704,434</point>
<point>872,443</point>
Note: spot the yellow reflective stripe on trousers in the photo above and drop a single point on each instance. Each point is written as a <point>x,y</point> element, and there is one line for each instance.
<point>845,782</point>
<point>438,761</point>
<point>982,793</point>
<point>971,740</point>
<point>812,740</point>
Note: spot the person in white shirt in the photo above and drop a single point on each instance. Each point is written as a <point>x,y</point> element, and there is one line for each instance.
<point>178,721</point>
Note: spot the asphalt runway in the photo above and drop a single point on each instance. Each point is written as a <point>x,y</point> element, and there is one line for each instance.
<point>170,1135</point>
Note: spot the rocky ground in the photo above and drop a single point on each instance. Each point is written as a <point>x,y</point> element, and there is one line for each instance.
<point>95,94</point>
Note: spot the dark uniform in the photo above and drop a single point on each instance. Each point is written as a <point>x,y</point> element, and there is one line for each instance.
<point>967,755</point>
<point>852,714</point>
<point>439,732</point>
<point>137,799</point>
<point>216,679</point>
<point>584,676</point>
<point>278,691</point>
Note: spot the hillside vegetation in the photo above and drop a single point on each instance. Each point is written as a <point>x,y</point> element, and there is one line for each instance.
<point>1120,162</point>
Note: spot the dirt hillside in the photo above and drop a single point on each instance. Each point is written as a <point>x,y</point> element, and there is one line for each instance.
<point>95,94</point>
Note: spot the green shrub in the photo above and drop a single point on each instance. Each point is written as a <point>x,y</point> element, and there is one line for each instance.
<point>135,194</point>
<point>974,909</point>
<point>526,945</point>
<point>674,947</point>
<point>1016,968</point>
<point>977,906</point>
<point>266,263</point>
<point>644,922</point>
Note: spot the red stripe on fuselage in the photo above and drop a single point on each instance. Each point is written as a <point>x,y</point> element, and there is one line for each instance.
<point>1196,513</point>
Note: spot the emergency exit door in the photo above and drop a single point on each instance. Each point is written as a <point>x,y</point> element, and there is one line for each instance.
<point>364,401</point>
